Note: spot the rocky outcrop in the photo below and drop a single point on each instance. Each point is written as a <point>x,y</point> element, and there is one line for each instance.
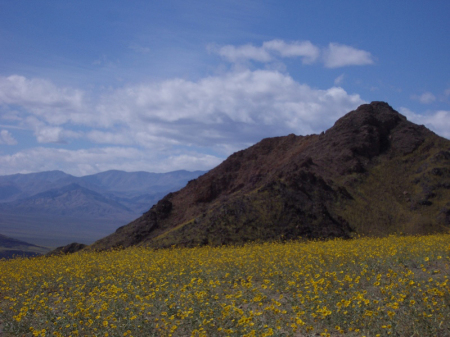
<point>348,179</point>
<point>71,248</point>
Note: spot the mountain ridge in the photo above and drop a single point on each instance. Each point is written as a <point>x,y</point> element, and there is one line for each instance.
<point>73,199</point>
<point>38,206</point>
<point>11,247</point>
<point>314,186</point>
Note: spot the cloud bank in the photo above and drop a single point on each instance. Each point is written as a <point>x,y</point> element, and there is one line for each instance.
<point>159,126</point>
<point>176,123</point>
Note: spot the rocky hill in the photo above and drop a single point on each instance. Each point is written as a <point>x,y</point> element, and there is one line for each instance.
<point>373,173</point>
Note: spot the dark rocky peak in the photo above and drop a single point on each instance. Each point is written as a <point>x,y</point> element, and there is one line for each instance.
<point>378,115</point>
<point>367,132</point>
<point>315,186</point>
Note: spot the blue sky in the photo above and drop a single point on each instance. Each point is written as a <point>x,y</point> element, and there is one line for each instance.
<point>88,86</point>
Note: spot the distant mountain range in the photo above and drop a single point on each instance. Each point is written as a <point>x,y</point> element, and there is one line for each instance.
<point>54,208</point>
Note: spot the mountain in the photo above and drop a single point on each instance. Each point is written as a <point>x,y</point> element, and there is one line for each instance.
<point>54,208</point>
<point>17,186</point>
<point>135,189</point>
<point>71,199</point>
<point>10,247</point>
<point>372,173</point>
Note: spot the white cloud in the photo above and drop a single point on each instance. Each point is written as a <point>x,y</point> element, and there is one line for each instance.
<point>334,56</point>
<point>425,98</point>
<point>236,108</point>
<point>47,133</point>
<point>41,97</point>
<point>305,49</point>
<point>54,134</point>
<point>203,120</point>
<point>6,138</point>
<point>437,121</point>
<point>339,55</point>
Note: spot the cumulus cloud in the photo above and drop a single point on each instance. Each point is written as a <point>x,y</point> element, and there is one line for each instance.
<point>438,121</point>
<point>6,138</point>
<point>334,56</point>
<point>339,55</point>
<point>54,134</point>
<point>425,98</point>
<point>48,133</point>
<point>162,125</point>
<point>239,107</point>
<point>304,49</point>
<point>44,99</point>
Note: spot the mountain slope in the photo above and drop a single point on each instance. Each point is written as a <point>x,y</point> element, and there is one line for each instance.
<point>71,200</point>
<point>137,190</point>
<point>373,172</point>
<point>114,180</point>
<point>134,190</point>
<point>10,247</point>
<point>18,186</point>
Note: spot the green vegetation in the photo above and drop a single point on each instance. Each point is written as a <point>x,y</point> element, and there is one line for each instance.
<point>408,194</point>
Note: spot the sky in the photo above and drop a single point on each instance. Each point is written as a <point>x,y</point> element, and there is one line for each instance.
<point>158,86</point>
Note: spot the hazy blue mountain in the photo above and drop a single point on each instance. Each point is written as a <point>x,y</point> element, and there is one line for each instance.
<point>18,186</point>
<point>72,199</point>
<point>54,208</point>
<point>138,181</point>
<point>10,247</point>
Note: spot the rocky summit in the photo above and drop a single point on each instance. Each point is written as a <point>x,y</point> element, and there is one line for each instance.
<point>372,173</point>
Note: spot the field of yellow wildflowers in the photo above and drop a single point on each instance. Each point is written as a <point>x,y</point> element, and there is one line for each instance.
<point>394,286</point>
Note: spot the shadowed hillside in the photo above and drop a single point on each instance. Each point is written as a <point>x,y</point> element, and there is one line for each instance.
<point>373,172</point>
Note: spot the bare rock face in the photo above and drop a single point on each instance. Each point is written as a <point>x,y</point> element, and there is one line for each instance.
<point>351,178</point>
